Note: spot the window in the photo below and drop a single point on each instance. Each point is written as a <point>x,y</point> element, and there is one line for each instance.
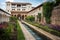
<point>23,9</point>
<point>13,6</point>
<point>8,10</point>
<point>15,15</point>
<point>18,9</point>
<point>8,4</point>
<point>29,6</point>
<point>18,5</point>
<point>13,9</point>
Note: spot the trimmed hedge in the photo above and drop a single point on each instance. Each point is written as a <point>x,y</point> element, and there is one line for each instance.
<point>46,28</point>
<point>20,35</point>
<point>30,18</point>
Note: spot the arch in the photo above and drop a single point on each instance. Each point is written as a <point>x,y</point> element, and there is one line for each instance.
<point>19,16</point>
<point>11,15</point>
<point>15,15</point>
<point>25,15</point>
<point>22,17</point>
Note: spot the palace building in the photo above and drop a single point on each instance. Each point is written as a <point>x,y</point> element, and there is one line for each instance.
<point>18,9</point>
<point>21,10</point>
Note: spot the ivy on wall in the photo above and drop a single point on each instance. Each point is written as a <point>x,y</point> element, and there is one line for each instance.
<point>39,16</point>
<point>57,2</point>
<point>47,11</point>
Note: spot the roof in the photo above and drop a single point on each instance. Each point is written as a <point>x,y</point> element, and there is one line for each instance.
<point>4,11</point>
<point>19,3</point>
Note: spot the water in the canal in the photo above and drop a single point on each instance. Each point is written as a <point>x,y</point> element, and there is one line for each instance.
<point>33,33</point>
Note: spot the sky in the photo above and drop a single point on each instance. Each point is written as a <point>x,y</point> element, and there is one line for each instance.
<point>33,2</point>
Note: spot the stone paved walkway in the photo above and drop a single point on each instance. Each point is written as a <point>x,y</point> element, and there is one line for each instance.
<point>52,37</point>
<point>27,34</point>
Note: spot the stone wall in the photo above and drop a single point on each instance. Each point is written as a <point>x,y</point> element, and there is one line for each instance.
<point>55,19</point>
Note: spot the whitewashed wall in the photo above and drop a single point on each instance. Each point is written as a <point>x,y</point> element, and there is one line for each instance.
<point>4,17</point>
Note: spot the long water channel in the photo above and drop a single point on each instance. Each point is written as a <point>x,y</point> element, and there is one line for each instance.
<point>34,34</point>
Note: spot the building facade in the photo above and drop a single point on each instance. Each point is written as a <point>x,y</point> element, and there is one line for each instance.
<point>21,10</point>
<point>16,6</point>
<point>4,16</point>
<point>17,9</point>
<point>34,12</point>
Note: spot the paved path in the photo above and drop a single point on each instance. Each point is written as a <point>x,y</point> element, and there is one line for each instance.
<point>52,37</point>
<point>27,34</point>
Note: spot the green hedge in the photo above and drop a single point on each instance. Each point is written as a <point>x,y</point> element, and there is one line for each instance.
<point>46,28</point>
<point>30,18</point>
<point>20,35</point>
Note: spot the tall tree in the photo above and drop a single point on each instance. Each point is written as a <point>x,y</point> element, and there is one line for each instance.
<point>47,10</point>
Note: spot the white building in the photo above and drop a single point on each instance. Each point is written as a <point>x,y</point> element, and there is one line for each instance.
<point>17,6</point>
<point>4,16</point>
<point>22,10</point>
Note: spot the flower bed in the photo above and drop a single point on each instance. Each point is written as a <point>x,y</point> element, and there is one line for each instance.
<point>20,35</point>
<point>5,31</point>
<point>46,28</point>
<point>56,27</point>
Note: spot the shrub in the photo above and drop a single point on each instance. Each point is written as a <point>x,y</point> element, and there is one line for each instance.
<point>46,28</point>
<point>30,18</point>
<point>39,16</point>
<point>13,19</point>
<point>4,35</point>
<point>20,35</point>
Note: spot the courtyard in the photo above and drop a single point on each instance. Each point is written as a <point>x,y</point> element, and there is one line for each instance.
<point>22,21</point>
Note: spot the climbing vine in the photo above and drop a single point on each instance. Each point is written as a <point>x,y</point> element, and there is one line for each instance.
<point>57,2</point>
<point>39,16</point>
<point>47,11</point>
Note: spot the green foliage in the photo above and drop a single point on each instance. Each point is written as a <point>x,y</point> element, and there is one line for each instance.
<point>46,28</point>
<point>5,33</point>
<point>30,18</point>
<point>57,2</point>
<point>47,11</point>
<point>13,18</point>
<point>39,16</point>
<point>20,35</point>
